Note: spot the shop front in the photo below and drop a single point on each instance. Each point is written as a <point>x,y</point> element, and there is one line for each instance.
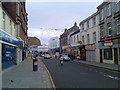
<point>8,49</point>
<point>90,52</point>
<point>110,51</point>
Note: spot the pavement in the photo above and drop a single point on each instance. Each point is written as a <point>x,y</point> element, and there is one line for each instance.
<point>23,76</point>
<point>101,65</point>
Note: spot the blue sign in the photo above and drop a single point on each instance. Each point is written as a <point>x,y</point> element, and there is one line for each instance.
<point>7,38</point>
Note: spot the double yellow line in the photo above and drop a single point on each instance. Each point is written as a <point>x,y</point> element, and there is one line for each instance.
<point>53,85</point>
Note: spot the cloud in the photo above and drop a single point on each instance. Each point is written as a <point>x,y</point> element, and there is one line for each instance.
<point>44,34</point>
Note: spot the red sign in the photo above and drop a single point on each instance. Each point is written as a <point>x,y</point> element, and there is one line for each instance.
<point>108,43</point>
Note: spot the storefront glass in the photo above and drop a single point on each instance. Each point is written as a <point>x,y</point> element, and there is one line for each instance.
<point>8,56</point>
<point>108,54</point>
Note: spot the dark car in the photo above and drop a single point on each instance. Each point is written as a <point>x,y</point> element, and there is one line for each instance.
<point>66,58</point>
<point>47,56</point>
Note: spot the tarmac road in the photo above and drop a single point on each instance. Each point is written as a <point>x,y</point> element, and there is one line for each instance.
<point>75,75</point>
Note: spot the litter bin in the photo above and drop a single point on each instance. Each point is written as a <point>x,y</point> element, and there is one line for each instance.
<point>35,64</point>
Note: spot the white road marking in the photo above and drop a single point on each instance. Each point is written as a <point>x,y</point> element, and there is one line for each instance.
<point>116,78</point>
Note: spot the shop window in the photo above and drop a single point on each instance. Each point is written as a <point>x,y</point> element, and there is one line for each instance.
<point>108,54</point>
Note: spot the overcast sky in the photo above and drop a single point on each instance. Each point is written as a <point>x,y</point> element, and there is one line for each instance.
<point>49,19</point>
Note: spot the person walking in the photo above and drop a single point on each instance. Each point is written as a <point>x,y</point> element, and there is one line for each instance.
<point>61,60</point>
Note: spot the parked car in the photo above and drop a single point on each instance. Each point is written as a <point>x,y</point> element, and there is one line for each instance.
<point>66,58</point>
<point>47,56</point>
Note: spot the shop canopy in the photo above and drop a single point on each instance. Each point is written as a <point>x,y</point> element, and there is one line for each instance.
<point>8,38</point>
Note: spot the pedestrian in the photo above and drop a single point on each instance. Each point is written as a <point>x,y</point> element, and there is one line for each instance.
<point>61,60</point>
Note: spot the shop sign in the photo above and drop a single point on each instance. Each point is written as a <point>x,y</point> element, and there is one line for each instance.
<point>108,43</point>
<point>7,38</point>
<point>80,42</point>
<point>90,47</point>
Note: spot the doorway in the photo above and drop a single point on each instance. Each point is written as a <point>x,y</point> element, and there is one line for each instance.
<point>116,56</point>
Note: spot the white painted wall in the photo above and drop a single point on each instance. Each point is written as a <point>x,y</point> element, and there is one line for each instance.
<point>92,28</point>
<point>72,42</point>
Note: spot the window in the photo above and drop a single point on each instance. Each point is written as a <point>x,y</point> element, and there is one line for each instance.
<point>118,26</point>
<point>74,39</point>
<point>101,14</point>
<point>18,12</point>
<point>3,20</point>
<point>83,39</point>
<point>87,24</point>
<point>101,31</point>
<point>108,54</point>
<point>88,38</point>
<point>77,37</point>
<point>10,26</point>
<point>82,26</point>
<point>94,36</point>
<point>108,9</point>
<point>117,6</point>
<point>109,29</point>
<point>94,21</point>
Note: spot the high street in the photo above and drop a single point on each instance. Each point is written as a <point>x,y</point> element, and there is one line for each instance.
<point>76,75</point>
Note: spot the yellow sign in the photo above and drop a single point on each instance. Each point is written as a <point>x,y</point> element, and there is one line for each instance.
<point>80,42</point>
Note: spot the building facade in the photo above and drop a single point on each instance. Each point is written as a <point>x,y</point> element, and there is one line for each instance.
<point>74,39</point>
<point>17,11</point>
<point>53,45</point>
<point>33,41</point>
<point>9,44</point>
<point>89,36</point>
<point>64,38</point>
<point>109,32</point>
<point>43,49</point>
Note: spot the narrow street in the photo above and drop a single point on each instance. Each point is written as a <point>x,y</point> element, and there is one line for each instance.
<point>76,75</point>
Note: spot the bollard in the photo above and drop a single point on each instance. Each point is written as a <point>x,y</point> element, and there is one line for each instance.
<point>35,64</point>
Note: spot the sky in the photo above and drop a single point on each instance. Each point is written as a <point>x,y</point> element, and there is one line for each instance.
<point>49,19</point>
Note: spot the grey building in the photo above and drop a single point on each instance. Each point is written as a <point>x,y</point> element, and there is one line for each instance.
<point>109,44</point>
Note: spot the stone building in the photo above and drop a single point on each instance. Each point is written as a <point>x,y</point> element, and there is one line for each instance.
<point>64,39</point>
<point>109,32</point>
<point>33,41</point>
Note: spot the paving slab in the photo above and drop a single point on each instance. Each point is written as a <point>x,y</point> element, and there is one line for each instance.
<point>23,76</point>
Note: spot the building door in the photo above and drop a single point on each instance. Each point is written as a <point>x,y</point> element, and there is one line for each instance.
<point>116,56</point>
<point>101,61</point>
